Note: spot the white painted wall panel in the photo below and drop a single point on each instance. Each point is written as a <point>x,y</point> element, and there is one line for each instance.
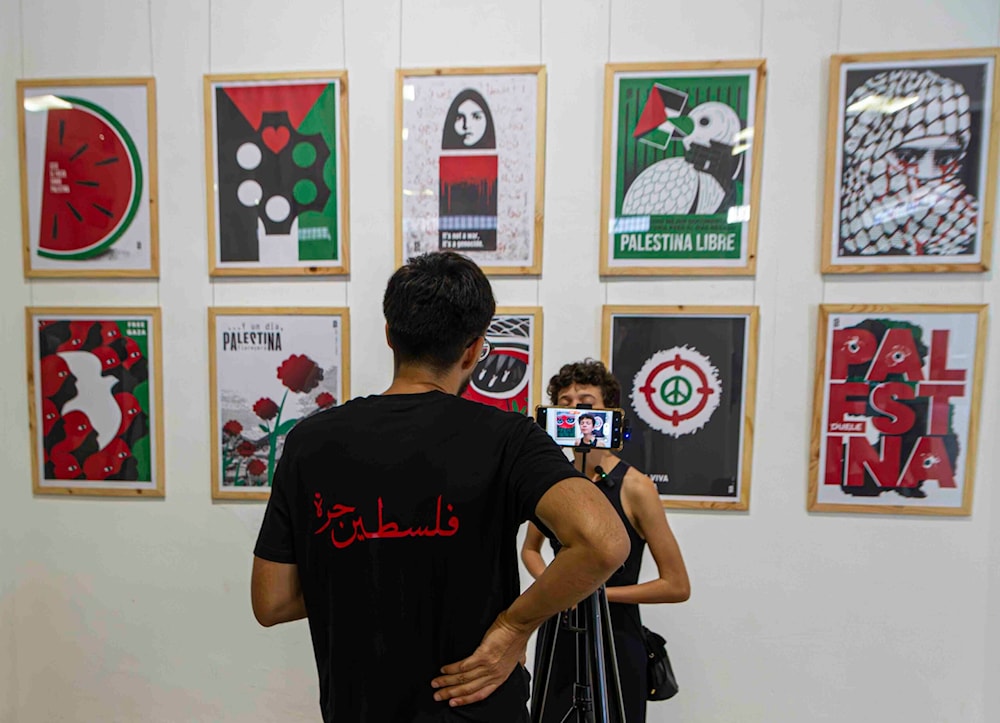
<point>139,610</point>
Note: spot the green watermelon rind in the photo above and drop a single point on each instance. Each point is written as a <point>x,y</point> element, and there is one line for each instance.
<point>136,194</point>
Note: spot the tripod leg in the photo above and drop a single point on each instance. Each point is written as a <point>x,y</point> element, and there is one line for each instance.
<point>599,661</point>
<point>546,654</point>
<point>615,698</point>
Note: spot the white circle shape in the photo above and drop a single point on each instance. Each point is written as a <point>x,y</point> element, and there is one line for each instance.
<point>277,208</point>
<point>248,156</point>
<point>249,193</point>
<point>678,368</point>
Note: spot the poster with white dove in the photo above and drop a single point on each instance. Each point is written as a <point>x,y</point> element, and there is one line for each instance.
<point>911,162</point>
<point>681,179</point>
<point>95,389</point>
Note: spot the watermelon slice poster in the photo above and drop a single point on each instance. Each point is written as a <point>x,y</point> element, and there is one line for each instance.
<point>509,375</point>
<point>95,395</point>
<point>278,157</point>
<point>88,177</point>
<point>271,368</point>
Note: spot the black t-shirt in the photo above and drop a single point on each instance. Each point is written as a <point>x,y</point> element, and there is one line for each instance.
<point>401,513</point>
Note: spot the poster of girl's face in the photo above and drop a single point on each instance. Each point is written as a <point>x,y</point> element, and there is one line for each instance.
<point>470,165</point>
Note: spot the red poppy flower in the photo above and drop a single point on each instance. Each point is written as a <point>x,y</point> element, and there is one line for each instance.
<point>256,467</point>
<point>325,399</point>
<point>265,408</point>
<point>246,449</point>
<point>232,428</point>
<point>300,373</point>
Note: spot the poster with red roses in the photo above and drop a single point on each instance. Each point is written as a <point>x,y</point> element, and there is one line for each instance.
<point>94,393</point>
<point>270,369</point>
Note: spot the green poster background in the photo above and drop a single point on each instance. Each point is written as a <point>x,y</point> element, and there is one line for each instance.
<point>141,450</point>
<point>634,156</point>
<point>318,239</point>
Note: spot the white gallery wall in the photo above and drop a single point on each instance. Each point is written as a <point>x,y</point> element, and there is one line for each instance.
<point>138,610</point>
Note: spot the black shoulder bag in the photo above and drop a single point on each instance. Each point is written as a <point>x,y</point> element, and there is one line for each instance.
<point>660,679</point>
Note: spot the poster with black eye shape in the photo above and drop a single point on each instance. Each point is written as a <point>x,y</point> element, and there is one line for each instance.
<point>911,162</point>
<point>509,373</point>
<point>896,408</point>
<point>88,177</point>
<point>270,368</point>
<point>95,401</point>
<point>470,165</point>
<point>277,174</point>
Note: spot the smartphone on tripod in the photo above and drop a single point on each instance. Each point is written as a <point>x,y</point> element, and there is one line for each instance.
<point>582,427</point>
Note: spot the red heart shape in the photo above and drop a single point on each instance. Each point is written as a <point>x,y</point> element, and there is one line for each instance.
<point>275,138</point>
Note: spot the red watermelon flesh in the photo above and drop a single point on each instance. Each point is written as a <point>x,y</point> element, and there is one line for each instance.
<point>88,183</point>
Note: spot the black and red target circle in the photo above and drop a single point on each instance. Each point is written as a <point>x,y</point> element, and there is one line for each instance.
<point>654,393</point>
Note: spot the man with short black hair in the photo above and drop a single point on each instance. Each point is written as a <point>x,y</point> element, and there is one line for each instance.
<point>393,519</point>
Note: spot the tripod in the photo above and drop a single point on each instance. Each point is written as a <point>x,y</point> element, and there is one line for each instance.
<point>596,664</point>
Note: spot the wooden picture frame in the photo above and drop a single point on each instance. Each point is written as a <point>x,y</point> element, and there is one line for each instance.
<point>283,351</point>
<point>95,401</point>
<point>510,377</point>
<point>480,191</point>
<point>88,172</point>
<point>678,367</point>
<point>681,168</point>
<point>909,377</point>
<point>911,161</point>
<point>265,127</point>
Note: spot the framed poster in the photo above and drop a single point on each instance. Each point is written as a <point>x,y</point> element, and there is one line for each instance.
<point>896,408</point>
<point>88,177</point>
<point>689,380</point>
<point>680,185</point>
<point>911,164</point>
<point>470,165</point>
<point>509,377</point>
<point>270,368</point>
<point>94,392</point>
<point>276,163</point>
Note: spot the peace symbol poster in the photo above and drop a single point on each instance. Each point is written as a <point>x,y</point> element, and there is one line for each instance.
<point>88,177</point>
<point>912,150</point>
<point>270,369</point>
<point>896,408</point>
<point>509,374</point>
<point>688,378</point>
<point>470,165</point>
<point>681,170</point>
<point>94,393</point>
<point>276,165</point>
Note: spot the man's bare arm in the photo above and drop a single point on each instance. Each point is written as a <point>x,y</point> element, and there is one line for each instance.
<point>594,544</point>
<point>275,592</point>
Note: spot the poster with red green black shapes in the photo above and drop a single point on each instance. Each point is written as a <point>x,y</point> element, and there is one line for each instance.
<point>270,369</point>
<point>277,164</point>
<point>95,401</point>
<point>88,177</point>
